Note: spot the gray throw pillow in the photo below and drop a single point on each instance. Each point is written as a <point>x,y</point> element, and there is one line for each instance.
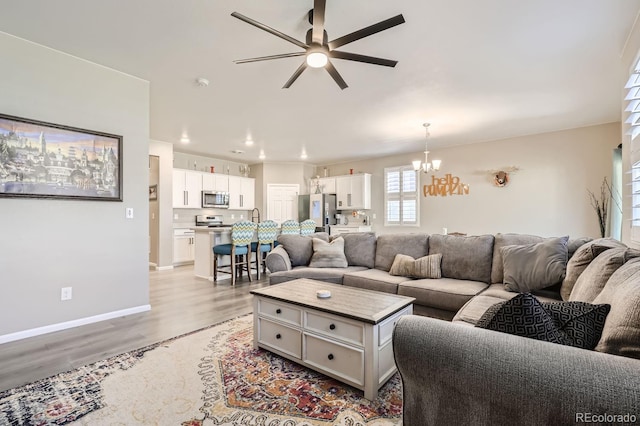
<point>300,247</point>
<point>328,255</point>
<point>534,266</point>
<point>360,248</point>
<point>578,263</point>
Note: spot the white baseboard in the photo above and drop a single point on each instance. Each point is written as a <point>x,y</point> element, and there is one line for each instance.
<point>70,324</point>
<point>164,268</point>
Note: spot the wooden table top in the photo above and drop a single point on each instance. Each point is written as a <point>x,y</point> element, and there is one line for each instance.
<point>351,302</point>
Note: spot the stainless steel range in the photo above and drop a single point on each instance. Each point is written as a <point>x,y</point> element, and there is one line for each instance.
<point>210,221</point>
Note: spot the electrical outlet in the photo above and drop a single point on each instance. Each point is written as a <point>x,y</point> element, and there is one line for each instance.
<point>175,216</point>
<point>66,293</point>
<point>233,216</point>
<point>241,216</point>
<point>129,213</point>
<point>373,215</point>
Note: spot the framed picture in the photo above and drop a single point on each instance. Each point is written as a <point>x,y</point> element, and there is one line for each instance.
<point>45,160</point>
<point>153,192</point>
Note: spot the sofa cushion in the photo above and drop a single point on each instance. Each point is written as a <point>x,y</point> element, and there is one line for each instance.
<point>373,279</point>
<point>464,258</point>
<point>621,333</point>
<point>328,255</point>
<point>425,267</point>
<point>278,260</point>
<point>575,243</point>
<point>502,240</point>
<point>388,245</point>
<point>300,247</point>
<point>360,248</point>
<point>582,257</point>
<point>593,279</point>
<point>575,324</point>
<point>534,266</point>
<point>330,275</point>
<point>446,293</point>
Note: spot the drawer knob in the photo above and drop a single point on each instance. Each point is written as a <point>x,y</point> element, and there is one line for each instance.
<point>278,311</point>
<point>330,357</point>
<point>332,327</point>
<point>278,336</point>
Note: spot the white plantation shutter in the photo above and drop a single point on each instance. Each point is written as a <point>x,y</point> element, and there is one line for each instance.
<point>401,196</point>
<point>633,124</point>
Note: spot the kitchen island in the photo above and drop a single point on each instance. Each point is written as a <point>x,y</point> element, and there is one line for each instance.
<point>206,238</point>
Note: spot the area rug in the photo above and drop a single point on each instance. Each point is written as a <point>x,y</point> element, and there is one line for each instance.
<point>208,377</point>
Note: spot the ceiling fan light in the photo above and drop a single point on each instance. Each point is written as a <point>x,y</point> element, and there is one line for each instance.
<point>317,59</point>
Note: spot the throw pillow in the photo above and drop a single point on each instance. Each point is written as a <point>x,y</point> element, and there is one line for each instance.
<point>591,282</point>
<point>581,322</point>
<point>425,267</point>
<point>299,247</point>
<point>582,257</point>
<point>328,255</point>
<point>464,258</point>
<point>575,324</point>
<point>534,266</point>
<point>523,316</point>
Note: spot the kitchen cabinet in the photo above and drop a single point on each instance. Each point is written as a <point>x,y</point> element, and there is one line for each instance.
<point>338,229</point>
<point>353,192</point>
<point>187,189</point>
<point>215,182</point>
<point>242,193</point>
<point>183,246</point>
<point>328,185</point>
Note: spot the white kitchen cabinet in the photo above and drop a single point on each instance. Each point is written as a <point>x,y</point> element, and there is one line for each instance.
<point>187,189</point>
<point>215,182</point>
<point>353,192</point>
<point>242,193</point>
<point>183,246</point>
<point>338,229</point>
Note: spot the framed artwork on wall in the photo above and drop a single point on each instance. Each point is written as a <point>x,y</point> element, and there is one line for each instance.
<point>46,160</point>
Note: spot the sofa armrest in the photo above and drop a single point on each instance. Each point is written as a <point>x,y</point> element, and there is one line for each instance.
<point>278,260</point>
<point>458,374</point>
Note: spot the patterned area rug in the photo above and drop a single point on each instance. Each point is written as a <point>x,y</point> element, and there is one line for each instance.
<point>209,377</point>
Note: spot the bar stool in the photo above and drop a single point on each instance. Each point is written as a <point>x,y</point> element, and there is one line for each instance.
<point>267,233</point>
<point>239,250</point>
<point>307,227</point>
<point>289,227</point>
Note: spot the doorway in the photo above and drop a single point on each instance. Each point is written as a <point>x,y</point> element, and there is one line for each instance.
<point>282,201</point>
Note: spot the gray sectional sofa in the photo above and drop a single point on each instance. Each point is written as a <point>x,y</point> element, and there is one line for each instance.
<point>469,266</point>
<point>455,373</point>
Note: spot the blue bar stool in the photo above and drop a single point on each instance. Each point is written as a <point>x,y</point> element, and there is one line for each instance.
<point>307,227</point>
<point>289,227</point>
<point>267,233</point>
<point>239,250</point>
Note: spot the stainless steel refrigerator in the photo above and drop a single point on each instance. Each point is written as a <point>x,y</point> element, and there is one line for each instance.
<point>303,207</point>
<point>322,209</point>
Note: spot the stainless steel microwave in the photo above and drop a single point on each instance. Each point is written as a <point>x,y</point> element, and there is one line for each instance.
<point>215,199</point>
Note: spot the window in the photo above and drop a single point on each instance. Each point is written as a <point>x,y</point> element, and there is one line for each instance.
<point>633,126</point>
<point>401,196</point>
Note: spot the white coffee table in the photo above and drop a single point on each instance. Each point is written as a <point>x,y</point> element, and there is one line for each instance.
<point>347,336</point>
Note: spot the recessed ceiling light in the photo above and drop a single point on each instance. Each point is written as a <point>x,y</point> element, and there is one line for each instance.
<point>185,139</point>
<point>248,142</point>
<point>303,156</point>
<point>261,156</point>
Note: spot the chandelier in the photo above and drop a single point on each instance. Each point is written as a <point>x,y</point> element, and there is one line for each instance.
<point>426,166</point>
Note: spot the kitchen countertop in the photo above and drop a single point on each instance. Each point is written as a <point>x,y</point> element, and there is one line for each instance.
<point>223,228</point>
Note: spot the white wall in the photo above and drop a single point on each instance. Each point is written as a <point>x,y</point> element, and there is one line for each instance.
<point>547,197</point>
<point>86,245</point>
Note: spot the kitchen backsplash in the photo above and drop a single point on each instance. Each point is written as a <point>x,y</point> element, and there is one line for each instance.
<point>186,218</point>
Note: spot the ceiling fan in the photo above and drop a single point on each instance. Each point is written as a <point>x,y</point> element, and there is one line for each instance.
<point>318,50</point>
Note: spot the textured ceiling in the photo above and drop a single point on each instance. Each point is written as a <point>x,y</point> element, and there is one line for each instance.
<point>477,70</point>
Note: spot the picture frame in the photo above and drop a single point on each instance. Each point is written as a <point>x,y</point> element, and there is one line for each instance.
<point>153,192</point>
<point>47,160</point>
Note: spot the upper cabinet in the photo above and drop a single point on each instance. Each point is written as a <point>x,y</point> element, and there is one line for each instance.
<point>187,189</point>
<point>215,182</point>
<point>353,192</point>
<point>242,192</point>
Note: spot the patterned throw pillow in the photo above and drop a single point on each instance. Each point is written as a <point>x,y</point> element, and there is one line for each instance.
<point>575,324</point>
<point>328,255</point>
<point>424,267</point>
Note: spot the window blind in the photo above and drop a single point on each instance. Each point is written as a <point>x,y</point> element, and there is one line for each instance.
<point>401,196</point>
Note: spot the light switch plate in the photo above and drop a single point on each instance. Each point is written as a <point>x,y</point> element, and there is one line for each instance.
<point>129,213</point>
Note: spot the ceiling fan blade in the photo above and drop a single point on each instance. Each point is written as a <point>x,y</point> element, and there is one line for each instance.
<point>365,32</point>
<point>295,75</point>
<point>269,30</point>
<point>318,20</point>
<point>266,58</point>
<point>362,58</point>
<point>333,72</point>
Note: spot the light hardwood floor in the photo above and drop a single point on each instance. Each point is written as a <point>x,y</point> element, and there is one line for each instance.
<point>180,303</point>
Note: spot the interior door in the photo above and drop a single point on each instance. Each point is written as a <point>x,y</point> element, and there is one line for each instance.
<point>282,202</point>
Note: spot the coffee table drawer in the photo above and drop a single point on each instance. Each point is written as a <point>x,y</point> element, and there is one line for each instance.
<point>280,337</point>
<point>334,358</point>
<point>386,327</point>
<point>335,328</point>
<point>282,312</point>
